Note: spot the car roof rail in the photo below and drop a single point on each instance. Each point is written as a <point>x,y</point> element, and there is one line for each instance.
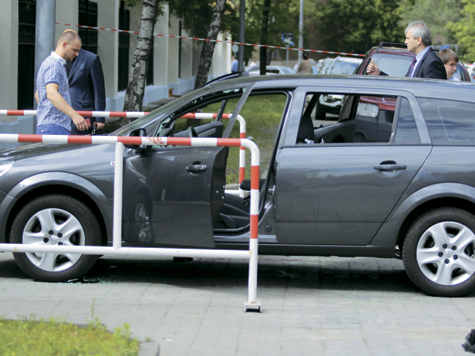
<point>392,44</point>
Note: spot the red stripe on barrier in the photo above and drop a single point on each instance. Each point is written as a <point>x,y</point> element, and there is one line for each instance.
<point>116,114</point>
<point>254,226</point>
<point>85,113</point>
<point>242,174</point>
<point>255,177</point>
<point>226,116</point>
<point>231,142</point>
<point>130,140</point>
<point>30,138</point>
<point>15,112</point>
<point>185,141</point>
<point>242,135</point>
<point>79,139</point>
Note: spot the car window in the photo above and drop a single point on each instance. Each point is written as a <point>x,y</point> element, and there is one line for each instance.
<point>391,64</point>
<point>343,67</point>
<point>215,103</point>
<point>357,119</point>
<point>449,122</point>
<point>406,130</point>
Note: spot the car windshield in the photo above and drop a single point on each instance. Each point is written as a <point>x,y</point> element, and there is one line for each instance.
<point>393,65</point>
<point>343,67</point>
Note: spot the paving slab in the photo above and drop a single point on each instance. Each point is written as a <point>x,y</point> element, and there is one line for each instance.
<point>310,306</point>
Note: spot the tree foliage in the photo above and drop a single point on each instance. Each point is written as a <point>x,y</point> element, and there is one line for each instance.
<point>357,25</point>
<point>464,31</point>
<point>283,17</point>
<point>136,88</point>
<point>423,10</point>
<point>197,15</point>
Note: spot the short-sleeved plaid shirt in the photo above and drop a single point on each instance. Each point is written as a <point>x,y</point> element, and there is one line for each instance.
<point>52,70</point>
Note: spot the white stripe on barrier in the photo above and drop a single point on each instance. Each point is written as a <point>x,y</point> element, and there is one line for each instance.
<point>117,248</point>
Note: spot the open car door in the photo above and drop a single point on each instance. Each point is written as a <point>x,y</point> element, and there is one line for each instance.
<point>172,195</point>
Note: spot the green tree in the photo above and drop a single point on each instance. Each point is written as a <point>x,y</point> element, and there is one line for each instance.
<point>357,25</point>
<point>423,10</point>
<point>136,89</point>
<point>464,31</point>
<point>266,21</point>
<point>204,19</point>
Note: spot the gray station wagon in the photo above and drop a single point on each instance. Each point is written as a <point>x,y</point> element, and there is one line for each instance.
<point>393,177</point>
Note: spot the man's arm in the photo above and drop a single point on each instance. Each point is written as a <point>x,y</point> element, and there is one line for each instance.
<point>58,101</point>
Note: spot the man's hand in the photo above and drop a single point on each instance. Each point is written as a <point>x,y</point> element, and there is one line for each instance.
<point>99,125</point>
<point>79,121</point>
<point>373,68</point>
<point>58,101</point>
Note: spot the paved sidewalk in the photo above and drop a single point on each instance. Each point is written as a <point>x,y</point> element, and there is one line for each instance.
<point>311,306</point>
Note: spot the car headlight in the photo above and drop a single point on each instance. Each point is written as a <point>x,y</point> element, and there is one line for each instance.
<point>365,109</point>
<point>5,167</point>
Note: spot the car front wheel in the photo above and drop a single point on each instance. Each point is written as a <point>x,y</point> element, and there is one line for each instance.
<point>55,220</point>
<point>439,252</point>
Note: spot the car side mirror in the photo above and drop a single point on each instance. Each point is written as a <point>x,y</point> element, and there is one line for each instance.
<point>139,149</point>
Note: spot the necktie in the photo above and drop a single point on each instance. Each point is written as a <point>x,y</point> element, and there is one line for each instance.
<point>413,64</point>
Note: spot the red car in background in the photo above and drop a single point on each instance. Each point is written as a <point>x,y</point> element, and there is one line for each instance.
<point>394,59</point>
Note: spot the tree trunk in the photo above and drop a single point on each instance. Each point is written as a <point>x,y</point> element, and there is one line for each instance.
<point>264,32</point>
<point>138,74</point>
<point>208,46</point>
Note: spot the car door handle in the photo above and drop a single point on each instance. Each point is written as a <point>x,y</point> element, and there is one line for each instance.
<point>388,166</point>
<point>196,168</point>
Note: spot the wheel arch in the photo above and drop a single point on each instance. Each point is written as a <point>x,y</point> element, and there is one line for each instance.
<point>451,202</point>
<point>394,230</point>
<point>57,183</point>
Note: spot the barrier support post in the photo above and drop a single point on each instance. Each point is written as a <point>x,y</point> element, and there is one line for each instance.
<point>118,189</point>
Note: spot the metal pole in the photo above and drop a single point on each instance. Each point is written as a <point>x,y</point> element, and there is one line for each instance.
<point>118,191</point>
<point>300,30</point>
<point>242,14</point>
<point>44,36</point>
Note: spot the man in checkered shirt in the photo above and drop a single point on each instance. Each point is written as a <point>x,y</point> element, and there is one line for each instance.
<point>52,95</point>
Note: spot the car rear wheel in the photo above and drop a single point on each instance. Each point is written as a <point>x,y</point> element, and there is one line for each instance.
<point>55,220</point>
<point>439,252</point>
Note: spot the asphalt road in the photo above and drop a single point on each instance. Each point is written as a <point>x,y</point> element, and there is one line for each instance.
<point>310,306</point>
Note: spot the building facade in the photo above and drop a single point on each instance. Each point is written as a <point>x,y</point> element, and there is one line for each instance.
<point>174,62</point>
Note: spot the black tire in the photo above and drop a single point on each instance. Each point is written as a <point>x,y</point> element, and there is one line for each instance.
<point>58,209</point>
<point>320,114</point>
<point>439,252</point>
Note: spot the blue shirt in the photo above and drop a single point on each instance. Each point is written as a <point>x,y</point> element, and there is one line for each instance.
<point>234,65</point>
<point>52,70</point>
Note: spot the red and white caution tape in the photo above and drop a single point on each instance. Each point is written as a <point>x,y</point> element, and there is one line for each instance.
<point>217,41</point>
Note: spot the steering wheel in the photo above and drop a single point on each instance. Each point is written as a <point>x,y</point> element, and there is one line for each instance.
<point>191,132</point>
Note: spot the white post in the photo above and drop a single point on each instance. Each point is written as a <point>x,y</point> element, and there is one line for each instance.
<point>118,184</point>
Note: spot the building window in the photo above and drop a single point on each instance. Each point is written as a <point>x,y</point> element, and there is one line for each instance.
<point>124,45</point>
<point>26,54</point>
<point>88,17</point>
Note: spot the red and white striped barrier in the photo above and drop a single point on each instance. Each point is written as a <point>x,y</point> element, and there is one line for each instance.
<point>217,41</point>
<point>131,114</point>
<point>136,114</point>
<point>117,248</point>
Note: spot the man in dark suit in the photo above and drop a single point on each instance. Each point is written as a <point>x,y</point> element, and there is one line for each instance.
<point>86,87</point>
<point>426,63</point>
